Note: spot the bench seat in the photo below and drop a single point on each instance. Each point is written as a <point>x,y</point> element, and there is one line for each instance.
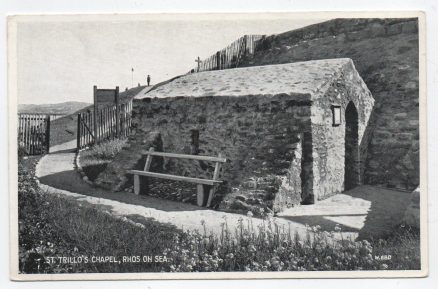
<point>175,178</point>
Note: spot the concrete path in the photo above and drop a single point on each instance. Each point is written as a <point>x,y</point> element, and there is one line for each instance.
<point>57,174</point>
<point>369,211</point>
<point>362,212</point>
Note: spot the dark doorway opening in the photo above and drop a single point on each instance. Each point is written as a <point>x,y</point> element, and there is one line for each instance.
<point>352,173</point>
<point>307,195</point>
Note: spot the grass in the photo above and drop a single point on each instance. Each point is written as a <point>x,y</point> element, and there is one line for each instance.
<point>403,245</point>
<point>52,226</point>
<point>95,159</point>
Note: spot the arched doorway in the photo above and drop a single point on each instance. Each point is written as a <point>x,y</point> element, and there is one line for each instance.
<point>352,173</point>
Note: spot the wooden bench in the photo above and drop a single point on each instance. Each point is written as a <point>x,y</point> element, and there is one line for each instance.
<point>203,185</point>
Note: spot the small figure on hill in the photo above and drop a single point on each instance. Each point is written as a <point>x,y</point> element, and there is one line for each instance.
<point>148,79</point>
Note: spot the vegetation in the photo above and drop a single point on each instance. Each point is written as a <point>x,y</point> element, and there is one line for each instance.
<point>58,226</point>
<point>95,159</point>
<point>269,248</point>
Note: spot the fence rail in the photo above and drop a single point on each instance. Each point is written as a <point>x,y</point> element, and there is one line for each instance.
<point>232,55</point>
<point>34,133</point>
<point>111,122</point>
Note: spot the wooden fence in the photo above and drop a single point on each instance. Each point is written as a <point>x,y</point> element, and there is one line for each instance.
<point>110,123</point>
<point>34,133</point>
<point>232,55</point>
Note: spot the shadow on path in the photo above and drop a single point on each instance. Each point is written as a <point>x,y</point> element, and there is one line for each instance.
<point>325,223</point>
<point>71,181</point>
<point>386,211</point>
<point>372,212</point>
<point>68,150</point>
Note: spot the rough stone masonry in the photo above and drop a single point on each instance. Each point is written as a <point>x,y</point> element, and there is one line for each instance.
<point>273,123</point>
<point>385,53</point>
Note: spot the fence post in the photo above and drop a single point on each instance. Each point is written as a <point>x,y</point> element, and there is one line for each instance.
<point>78,143</point>
<point>117,113</point>
<point>96,138</point>
<point>218,60</point>
<point>48,134</point>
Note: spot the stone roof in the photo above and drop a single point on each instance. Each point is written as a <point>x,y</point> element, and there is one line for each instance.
<point>292,78</point>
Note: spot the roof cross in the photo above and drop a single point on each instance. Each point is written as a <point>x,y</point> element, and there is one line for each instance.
<point>198,60</point>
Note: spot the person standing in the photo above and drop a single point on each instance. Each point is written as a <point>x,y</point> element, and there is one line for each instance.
<point>148,79</point>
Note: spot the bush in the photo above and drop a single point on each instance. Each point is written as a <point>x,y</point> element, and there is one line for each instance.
<point>105,151</point>
<point>95,159</point>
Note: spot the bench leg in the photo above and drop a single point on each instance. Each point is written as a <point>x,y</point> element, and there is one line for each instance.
<point>137,184</point>
<point>200,197</point>
<point>211,195</point>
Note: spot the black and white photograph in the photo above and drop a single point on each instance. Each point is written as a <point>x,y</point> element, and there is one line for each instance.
<point>217,145</point>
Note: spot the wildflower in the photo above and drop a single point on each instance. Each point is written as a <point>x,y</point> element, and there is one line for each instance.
<point>276,264</point>
<point>316,228</point>
<point>249,214</point>
<point>337,228</point>
<point>261,211</point>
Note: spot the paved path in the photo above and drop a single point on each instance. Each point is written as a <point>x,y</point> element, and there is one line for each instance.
<point>362,212</point>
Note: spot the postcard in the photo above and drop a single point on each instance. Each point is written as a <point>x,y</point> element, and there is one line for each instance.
<point>217,146</point>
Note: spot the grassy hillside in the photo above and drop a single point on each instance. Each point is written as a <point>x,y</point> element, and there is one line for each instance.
<point>53,108</point>
<point>64,129</point>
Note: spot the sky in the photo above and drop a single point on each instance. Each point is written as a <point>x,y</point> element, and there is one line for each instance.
<point>60,58</point>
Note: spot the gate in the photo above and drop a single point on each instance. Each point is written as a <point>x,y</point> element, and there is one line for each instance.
<point>107,123</point>
<point>34,133</point>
